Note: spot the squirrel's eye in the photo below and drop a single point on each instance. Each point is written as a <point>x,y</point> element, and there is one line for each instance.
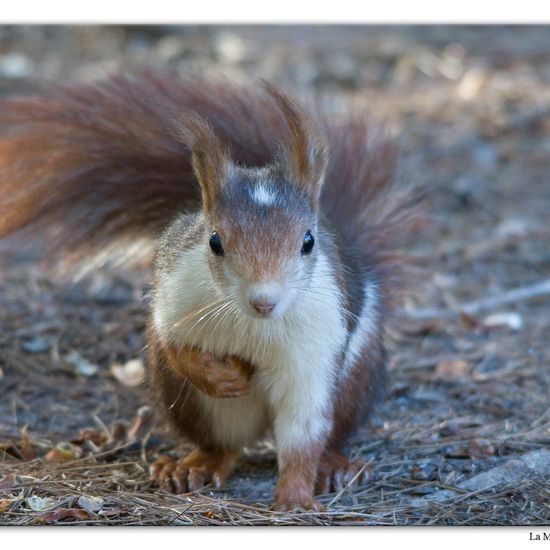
<point>309,241</point>
<point>216,243</point>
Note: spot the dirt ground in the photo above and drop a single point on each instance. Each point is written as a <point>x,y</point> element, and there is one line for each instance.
<point>464,436</point>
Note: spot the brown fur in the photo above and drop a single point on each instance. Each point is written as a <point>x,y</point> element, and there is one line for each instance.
<point>172,391</point>
<point>359,393</point>
<point>86,165</point>
<point>211,161</point>
<point>226,378</point>
<point>192,472</point>
<point>336,470</point>
<point>296,483</point>
<point>249,229</point>
<point>304,152</point>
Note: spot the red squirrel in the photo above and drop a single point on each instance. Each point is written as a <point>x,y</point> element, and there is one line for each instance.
<point>275,266</point>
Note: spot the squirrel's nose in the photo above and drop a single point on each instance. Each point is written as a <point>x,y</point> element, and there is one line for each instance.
<point>263,306</point>
<point>264,297</point>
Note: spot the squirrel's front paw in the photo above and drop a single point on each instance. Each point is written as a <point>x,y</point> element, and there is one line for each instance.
<point>224,379</point>
<point>308,503</point>
<point>295,495</point>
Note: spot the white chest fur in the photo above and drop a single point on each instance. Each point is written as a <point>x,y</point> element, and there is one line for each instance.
<point>295,356</point>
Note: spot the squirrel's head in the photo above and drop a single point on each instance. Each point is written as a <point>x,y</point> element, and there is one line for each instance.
<point>261,223</point>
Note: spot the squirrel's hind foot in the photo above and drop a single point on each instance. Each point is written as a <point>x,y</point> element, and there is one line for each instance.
<point>195,470</point>
<point>336,471</point>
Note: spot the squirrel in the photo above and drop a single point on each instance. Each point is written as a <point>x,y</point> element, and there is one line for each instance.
<point>276,262</point>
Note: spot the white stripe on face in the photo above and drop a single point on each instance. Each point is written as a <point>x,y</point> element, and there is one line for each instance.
<point>263,194</point>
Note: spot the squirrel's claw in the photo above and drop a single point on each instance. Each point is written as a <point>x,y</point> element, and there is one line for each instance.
<point>336,471</point>
<point>193,472</point>
<point>308,505</point>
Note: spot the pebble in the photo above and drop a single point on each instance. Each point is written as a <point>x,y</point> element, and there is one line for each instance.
<point>82,365</point>
<point>510,320</point>
<point>37,345</point>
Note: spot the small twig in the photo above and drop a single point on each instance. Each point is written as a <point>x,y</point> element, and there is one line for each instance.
<point>84,459</point>
<point>477,306</point>
<point>351,482</point>
<point>100,466</point>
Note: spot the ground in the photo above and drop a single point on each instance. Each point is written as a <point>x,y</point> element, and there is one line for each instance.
<point>464,435</point>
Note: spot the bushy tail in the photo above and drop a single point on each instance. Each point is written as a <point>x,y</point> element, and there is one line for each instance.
<point>85,166</point>
<point>88,166</point>
<point>376,213</point>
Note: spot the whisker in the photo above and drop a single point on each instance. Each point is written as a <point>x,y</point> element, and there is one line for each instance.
<point>194,313</point>
<point>340,306</point>
<point>212,314</point>
<point>222,318</point>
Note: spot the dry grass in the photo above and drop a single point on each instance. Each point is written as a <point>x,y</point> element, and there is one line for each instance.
<point>410,484</point>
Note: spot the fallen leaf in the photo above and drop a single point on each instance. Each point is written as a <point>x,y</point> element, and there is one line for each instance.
<point>5,503</point>
<point>453,369</point>
<point>98,438</point>
<point>422,328</point>
<point>55,455</point>
<point>64,451</point>
<point>8,482</point>
<point>63,513</point>
<point>39,504</point>
<point>481,448</point>
<point>130,374</point>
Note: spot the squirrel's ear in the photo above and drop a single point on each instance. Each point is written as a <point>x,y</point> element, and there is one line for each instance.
<point>211,160</point>
<point>304,151</point>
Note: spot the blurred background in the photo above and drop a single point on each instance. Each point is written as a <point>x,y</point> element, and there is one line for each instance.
<point>469,107</point>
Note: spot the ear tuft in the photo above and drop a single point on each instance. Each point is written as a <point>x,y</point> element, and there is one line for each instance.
<point>211,160</point>
<point>305,150</point>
